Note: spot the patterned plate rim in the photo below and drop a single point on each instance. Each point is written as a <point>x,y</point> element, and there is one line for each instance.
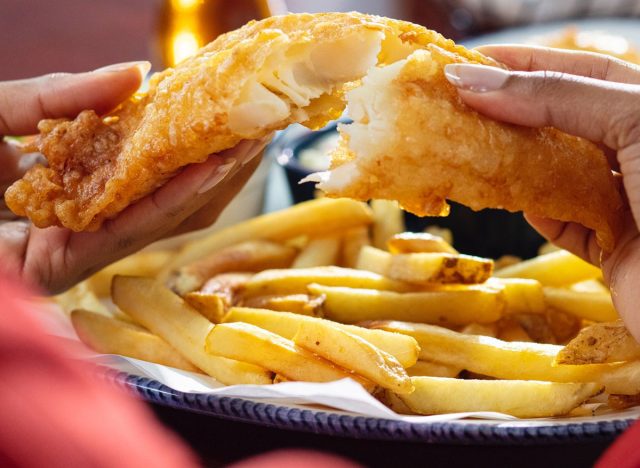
<point>361,427</point>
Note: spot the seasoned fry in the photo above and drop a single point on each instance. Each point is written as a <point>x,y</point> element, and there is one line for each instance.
<point>320,251</point>
<point>418,242</point>
<point>352,242</point>
<point>404,348</point>
<point>212,306</point>
<point>426,268</point>
<point>600,342</point>
<point>597,307</point>
<point>168,316</point>
<point>458,306</point>
<point>248,343</point>
<point>432,369</point>
<point>388,220</point>
<point>350,351</point>
<point>512,360</point>
<point>511,330</point>
<point>295,281</point>
<point>247,256</point>
<point>559,268</point>
<point>296,303</point>
<point>112,336</point>
<point>226,285</point>
<point>524,399</point>
<point>323,216</point>
<point>145,263</point>
<point>620,402</point>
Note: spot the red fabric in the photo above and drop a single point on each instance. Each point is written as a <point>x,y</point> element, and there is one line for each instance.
<point>625,452</point>
<point>54,413</point>
<point>295,459</point>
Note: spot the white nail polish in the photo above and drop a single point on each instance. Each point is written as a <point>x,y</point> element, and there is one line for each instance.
<point>476,78</point>
<point>220,173</point>
<point>143,67</point>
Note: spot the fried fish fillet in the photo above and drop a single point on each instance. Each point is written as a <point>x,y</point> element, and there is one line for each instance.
<point>243,85</point>
<point>413,140</point>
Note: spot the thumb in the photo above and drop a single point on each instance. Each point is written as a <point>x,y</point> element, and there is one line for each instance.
<point>598,110</point>
<point>23,103</point>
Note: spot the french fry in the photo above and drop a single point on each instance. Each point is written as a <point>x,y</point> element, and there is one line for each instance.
<point>295,281</point>
<point>458,306</point>
<point>167,315</point>
<point>439,231</point>
<point>511,330</point>
<point>599,343</point>
<point>590,286</point>
<point>620,402</point>
<point>246,256</point>
<point>352,242</point>
<point>432,369</point>
<point>388,220</point>
<point>418,242</point>
<point>226,285</point>
<point>520,398</point>
<point>403,348</point>
<point>296,303</point>
<point>563,326</point>
<point>320,251</point>
<point>512,360</point>
<point>111,336</point>
<point>559,268</point>
<point>81,296</point>
<point>212,305</point>
<point>323,216</point>
<point>426,268</point>
<point>505,261</point>
<point>352,352</point>
<point>522,296</point>
<point>484,329</point>
<point>597,307</point>
<point>145,263</point>
<point>537,327</point>
<point>248,343</point>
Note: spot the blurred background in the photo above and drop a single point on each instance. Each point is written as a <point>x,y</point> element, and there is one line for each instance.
<point>43,36</point>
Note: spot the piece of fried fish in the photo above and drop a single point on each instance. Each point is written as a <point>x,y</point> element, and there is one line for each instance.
<point>243,85</point>
<point>413,140</point>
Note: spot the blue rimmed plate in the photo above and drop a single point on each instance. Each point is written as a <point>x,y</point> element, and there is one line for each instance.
<point>336,423</point>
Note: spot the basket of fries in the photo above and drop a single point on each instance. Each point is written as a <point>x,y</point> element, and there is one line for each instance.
<point>335,290</point>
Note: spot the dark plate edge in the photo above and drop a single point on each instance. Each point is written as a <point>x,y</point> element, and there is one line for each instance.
<point>361,427</point>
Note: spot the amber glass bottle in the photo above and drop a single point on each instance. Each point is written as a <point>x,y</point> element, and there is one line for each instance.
<point>186,25</point>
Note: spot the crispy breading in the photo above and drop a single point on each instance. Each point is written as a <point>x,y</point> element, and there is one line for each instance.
<point>243,85</point>
<point>415,141</point>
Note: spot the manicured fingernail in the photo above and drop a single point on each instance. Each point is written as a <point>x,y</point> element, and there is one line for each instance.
<point>475,78</point>
<point>216,177</point>
<point>257,149</point>
<point>143,67</point>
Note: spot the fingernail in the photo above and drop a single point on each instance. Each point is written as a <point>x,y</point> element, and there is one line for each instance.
<point>257,148</point>
<point>216,177</point>
<point>475,78</point>
<point>143,67</point>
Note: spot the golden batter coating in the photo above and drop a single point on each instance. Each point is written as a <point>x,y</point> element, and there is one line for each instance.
<point>243,85</point>
<point>413,140</point>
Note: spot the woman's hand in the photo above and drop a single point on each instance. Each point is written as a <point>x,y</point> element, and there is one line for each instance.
<point>54,259</point>
<point>587,95</point>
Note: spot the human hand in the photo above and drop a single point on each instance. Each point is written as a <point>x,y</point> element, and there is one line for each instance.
<point>588,95</point>
<point>54,259</point>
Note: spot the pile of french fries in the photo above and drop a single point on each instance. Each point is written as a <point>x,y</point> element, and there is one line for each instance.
<point>330,289</point>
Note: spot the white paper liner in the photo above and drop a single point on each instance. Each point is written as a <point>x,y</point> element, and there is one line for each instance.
<point>344,396</point>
